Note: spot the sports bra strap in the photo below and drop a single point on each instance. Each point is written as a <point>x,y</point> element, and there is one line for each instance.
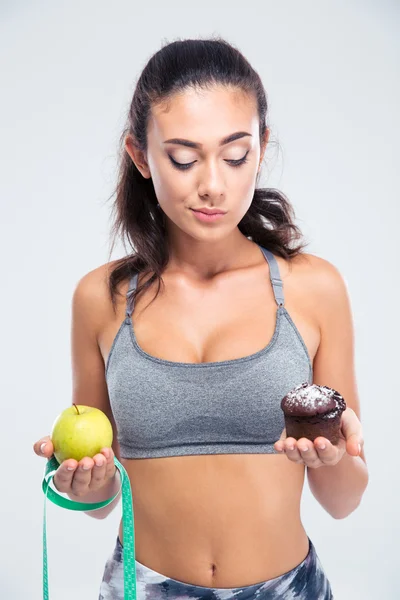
<point>274,275</point>
<point>130,302</point>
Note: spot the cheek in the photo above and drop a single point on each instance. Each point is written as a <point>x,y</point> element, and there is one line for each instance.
<point>170,188</point>
<point>243,192</point>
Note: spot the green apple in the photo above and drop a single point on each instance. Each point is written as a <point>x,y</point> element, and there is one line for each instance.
<point>80,431</point>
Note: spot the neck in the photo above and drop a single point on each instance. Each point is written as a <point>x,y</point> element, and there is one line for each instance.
<point>203,259</point>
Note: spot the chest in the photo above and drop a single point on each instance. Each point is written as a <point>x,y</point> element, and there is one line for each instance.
<point>211,323</point>
<point>167,408</point>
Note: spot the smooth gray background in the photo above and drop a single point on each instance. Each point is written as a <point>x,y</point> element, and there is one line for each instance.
<point>331,71</point>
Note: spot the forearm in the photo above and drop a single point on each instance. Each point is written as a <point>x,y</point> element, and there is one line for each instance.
<point>106,492</point>
<point>339,489</point>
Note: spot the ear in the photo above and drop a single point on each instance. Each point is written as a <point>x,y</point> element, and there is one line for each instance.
<point>263,147</point>
<point>137,156</point>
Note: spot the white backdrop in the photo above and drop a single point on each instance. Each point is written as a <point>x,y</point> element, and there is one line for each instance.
<point>331,71</point>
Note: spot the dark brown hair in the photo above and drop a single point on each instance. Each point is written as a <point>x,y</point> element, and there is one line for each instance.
<point>174,68</point>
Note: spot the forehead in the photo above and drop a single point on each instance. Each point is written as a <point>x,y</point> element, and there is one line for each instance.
<point>202,114</point>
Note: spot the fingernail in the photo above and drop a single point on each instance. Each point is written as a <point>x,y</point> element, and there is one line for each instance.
<point>322,446</point>
<point>70,468</point>
<point>304,449</point>
<point>85,467</point>
<point>99,462</point>
<point>42,447</point>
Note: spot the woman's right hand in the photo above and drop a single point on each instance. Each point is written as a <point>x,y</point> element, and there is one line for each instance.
<point>71,477</point>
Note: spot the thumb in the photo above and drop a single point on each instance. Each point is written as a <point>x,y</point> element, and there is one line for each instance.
<point>352,431</point>
<point>44,447</point>
<point>354,444</point>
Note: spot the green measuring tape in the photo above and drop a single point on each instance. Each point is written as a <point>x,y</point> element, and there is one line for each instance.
<point>129,559</point>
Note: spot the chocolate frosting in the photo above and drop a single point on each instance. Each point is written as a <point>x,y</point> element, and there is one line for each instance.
<point>308,400</point>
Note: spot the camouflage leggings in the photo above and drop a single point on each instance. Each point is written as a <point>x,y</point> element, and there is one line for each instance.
<point>307,581</point>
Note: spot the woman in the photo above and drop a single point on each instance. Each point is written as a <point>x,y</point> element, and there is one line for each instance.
<point>191,373</point>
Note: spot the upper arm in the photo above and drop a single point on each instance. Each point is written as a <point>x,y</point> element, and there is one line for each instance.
<point>334,362</point>
<point>88,312</point>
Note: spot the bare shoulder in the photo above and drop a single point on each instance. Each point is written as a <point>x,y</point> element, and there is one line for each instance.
<point>319,272</point>
<point>324,285</point>
<point>92,297</point>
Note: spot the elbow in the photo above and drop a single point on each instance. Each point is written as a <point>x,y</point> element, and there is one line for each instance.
<point>342,515</point>
<point>347,512</point>
<point>102,513</point>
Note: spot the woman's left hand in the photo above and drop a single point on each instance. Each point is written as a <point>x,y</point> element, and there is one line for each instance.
<point>321,453</point>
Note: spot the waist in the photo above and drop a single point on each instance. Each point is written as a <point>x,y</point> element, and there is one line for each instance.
<point>249,561</point>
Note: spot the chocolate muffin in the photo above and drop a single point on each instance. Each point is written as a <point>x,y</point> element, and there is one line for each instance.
<point>313,410</point>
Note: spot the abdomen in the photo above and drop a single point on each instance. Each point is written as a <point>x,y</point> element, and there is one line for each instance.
<point>218,520</point>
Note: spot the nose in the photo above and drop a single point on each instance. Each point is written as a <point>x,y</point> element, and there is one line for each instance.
<point>211,180</point>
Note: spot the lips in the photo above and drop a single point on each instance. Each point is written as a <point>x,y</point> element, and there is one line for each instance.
<point>208,211</point>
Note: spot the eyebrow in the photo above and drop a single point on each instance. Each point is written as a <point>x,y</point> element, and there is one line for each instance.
<point>225,140</point>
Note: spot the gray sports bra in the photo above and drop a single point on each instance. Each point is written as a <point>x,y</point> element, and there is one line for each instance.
<point>166,408</point>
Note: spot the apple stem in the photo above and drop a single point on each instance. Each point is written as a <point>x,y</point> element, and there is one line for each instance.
<point>76,408</point>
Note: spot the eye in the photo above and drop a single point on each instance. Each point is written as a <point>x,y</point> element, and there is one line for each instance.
<point>181,166</point>
<point>185,166</point>
<point>240,161</point>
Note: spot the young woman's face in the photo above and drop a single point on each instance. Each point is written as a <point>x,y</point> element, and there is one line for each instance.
<point>204,172</point>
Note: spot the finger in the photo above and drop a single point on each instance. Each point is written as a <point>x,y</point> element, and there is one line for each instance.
<point>292,452</point>
<point>354,444</point>
<point>308,453</point>
<point>111,468</point>
<point>326,451</point>
<point>98,471</point>
<point>352,431</point>
<point>82,476</point>
<point>64,474</point>
<point>44,447</point>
